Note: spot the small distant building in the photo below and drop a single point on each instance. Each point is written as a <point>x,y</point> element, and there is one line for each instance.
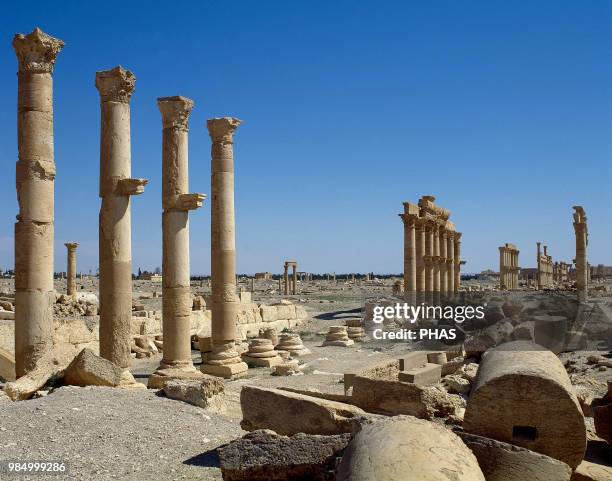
<point>263,276</point>
<point>147,276</point>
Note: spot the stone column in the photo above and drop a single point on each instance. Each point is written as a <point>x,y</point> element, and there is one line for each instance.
<point>539,267</point>
<point>71,288</point>
<point>436,264</point>
<point>582,240</point>
<point>176,203</point>
<point>35,175</point>
<point>450,254</point>
<point>502,268</point>
<point>115,240</point>
<point>224,360</point>
<point>294,272</point>
<point>429,253</point>
<point>420,260</point>
<point>443,265</point>
<point>410,258</point>
<point>286,279</point>
<point>457,261</point>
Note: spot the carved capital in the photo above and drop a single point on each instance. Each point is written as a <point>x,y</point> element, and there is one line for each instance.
<point>184,202</point>
<point>222,129</point>
<point>36,51</point>
<point>71,246</point>
<point>115,85</point>
<point>175,112</point>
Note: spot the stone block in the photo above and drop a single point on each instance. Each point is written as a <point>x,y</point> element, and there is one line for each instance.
<point>587,471</point>
<point>7,365</point>
<point>264,455</point>
<point>7,315</point>
<point>290,413</point>
<point>87,369</point>
<point>262,361</point>
<point>227,371</point>
<point>501,461</point>
<point>200,392</point>
<point>423,376</point>
<point>269,313</point>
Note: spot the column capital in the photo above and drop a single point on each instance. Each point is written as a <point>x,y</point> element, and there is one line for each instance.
<point>458,237</point>
<point>175,111</point>
<point>184,202</point>
<point>36,51</point>
<point>222,129</point>
<point>115,85</point>
<point>409,219</point>
<point>71,245</point>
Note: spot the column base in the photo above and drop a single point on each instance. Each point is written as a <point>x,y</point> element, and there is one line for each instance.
<point>227,371</point>
<point>165,373</point>
<point>348,343</point>
<point>262,361</point>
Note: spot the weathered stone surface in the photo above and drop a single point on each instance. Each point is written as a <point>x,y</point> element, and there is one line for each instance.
<point>403,448</point>
<point>456,384</point>
<point>200,393</point>
<point>263,455</point>
<point>522,395</point>
<point>87,369</point>
<point>587,471</point>
<point>602,416</point>
<point>388,397</point>
<point>7,365</point>
<point>51,365</point>
<point>423,375</point>
<point>290,413</point>
<point>501,461</point>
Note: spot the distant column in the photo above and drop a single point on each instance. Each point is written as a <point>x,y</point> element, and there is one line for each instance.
<point>436,263</point>
<point>115,239</point>
<point>443,264</point>
<point>224,360</point>
<point>176,203</point>
<point>582,240</point>
<point>420,260</point>
<point>294,276</point>
<point>429,253</point>
<point>286,278</point>
<point>410,257</point>
<point>539,267</point>
<point>35,175</point>
<point>71,269</point>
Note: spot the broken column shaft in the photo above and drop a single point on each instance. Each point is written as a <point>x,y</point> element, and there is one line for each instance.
<point>115,241</point>
<point>35,175</point>
<point>71,268</point>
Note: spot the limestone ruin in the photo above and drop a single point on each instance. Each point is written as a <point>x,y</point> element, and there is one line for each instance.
<point>508,267</point>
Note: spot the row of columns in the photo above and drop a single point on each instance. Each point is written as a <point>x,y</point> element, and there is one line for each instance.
<point>545,267</point>
<point>508,267</point>
<point>432,265</point>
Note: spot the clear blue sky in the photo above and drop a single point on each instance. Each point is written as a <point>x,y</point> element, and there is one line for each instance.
<point>502,109</point>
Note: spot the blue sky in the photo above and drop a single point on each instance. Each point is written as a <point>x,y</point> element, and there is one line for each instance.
<point>501,109</point>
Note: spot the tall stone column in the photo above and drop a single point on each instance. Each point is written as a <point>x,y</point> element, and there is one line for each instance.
<point>450,254</point>
<point>71,269</point>
<point>176,203</point>
<point>457,261</point>
<point>582,240</point>
<point>429,253</point>
<point>115,239</point>
<point>410,269</point>
<point>224,360</point>
<point>294,279</point>
<point>436,264</point>
<point>35,175</point>
<point>539,266</point>
<point>443,265</point>
<point>420,260</point>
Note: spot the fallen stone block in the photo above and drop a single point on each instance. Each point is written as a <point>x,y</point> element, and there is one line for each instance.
<point>423,376</point>
<point>501,461</point>
<point>48,367</point>
<point>263,455</point>
<point>87,369</point>
<point>201,392</point>
<point>522,395</point>
<point>403,448</point>
<point>7,365</point>
<point>587,471</point>
<point>412,360</point>
<point>290,413</point>
<point>381,396</point>
<point>7,315</point>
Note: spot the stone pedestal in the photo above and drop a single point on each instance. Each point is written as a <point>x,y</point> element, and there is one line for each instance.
<point>35,176</point>
<point>261,353</point>
<point>176,202</point>
<point>338,336</point>
<point>292,343</point>
<point>223,360</point>
<point>116,188</point>
<point>356,334</point>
